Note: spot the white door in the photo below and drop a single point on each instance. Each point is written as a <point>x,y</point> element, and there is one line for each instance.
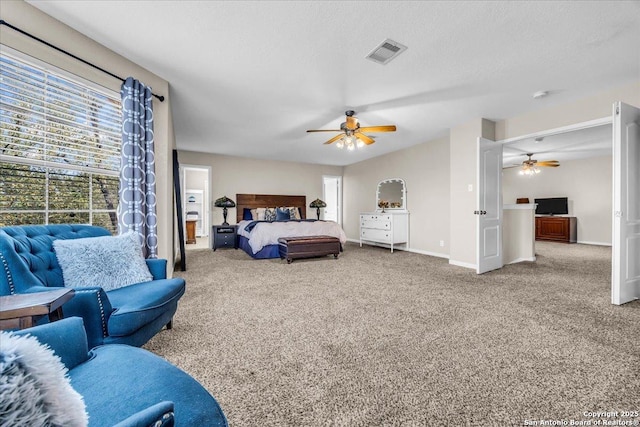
<point>489,206</point>
<point>625,262</point>
<point>331,194</point>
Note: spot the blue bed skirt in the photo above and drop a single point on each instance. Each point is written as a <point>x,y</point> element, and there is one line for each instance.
<point>269,251</point>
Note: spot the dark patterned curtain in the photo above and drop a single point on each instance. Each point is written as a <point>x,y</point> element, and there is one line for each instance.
<point>137,205</point>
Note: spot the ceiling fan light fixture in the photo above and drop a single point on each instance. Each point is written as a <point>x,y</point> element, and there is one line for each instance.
<point>529,170</point>
<point>340,144</point>
<point>360,143</point>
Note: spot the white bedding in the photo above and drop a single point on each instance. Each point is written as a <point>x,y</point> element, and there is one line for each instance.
<point>268,233</point>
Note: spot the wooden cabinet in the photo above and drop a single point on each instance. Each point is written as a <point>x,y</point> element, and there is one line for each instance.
<point>557,228</point>
<point>388,228</point>
<point>191,231</point>
<point>225,236</point>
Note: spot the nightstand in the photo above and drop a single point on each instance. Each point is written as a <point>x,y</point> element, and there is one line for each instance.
<point>225,236</point>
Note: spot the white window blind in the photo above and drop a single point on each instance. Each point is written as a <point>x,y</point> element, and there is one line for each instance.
<point>59,146</point>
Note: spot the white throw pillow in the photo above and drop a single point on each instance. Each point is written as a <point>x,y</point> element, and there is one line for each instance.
<point>34,386</point>
<point>110,262</point>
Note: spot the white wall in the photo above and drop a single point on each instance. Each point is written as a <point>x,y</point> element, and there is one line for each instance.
<point>425,170</point>
<point>518,234</point>
<point>195,179</point>
<point>586,182</point>
<point>232,175</point>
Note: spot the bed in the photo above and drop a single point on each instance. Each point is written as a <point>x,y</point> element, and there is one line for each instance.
<point>259,239</point>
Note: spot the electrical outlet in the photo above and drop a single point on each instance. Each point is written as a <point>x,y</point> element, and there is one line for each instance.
<point>470,187</point>
<point>441,243</point>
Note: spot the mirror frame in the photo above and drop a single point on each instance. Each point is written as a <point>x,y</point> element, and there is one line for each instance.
<point>403,196</point>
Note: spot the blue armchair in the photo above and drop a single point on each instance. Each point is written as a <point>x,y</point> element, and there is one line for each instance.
<point>124,386</point>
<point>129,315</point>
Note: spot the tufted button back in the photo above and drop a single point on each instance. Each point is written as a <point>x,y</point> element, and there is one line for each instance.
<point>34,244</point>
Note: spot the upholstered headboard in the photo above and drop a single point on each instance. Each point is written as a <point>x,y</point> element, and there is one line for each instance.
<point>253,201</point>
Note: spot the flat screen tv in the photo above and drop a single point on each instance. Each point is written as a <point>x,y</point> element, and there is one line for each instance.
<point>552,206</point>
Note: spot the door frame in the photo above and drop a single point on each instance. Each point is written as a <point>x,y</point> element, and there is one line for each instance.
<point>339,178</point>
<point>207,197</point>
<point>609,120</point>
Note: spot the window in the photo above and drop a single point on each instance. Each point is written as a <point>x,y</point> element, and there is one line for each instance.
<point>59,146</point>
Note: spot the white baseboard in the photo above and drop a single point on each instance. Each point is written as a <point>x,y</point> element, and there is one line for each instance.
<point>429,253</point>
<point>403,248</point>
<point>463,264</point>
<point>529,259</point>
<point>594,243</point>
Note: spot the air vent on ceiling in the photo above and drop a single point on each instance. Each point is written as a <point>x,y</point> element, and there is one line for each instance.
<point>386,51</point>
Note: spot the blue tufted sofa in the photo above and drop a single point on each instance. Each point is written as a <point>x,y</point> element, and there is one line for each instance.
<point>129,315</point>
<point>124,386</point>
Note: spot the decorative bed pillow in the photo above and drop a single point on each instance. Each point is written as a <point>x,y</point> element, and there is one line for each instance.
<point>270,214</point>
<point>260,214</point>
<point>246,214</point>
<point>108,262</point>
<point>254,214</point>
<point>294,213</point>
<point>34,387</point>
<point>283,214</point>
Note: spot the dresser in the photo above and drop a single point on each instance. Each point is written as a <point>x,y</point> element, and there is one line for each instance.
<point>557,228</point>
<point>387,228</point>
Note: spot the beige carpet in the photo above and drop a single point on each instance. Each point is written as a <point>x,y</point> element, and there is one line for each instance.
<point>403,339</point>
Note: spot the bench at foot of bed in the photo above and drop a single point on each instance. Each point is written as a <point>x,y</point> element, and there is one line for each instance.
<point>307,247</point>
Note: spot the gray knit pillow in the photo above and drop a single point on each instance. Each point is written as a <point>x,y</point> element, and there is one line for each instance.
<point>108,262</point>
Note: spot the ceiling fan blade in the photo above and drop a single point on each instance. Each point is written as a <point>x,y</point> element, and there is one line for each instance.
<point>334,139</point>
<point>387,128</point>
<point>366,139</point>
<point>325,130</point>
<point>549,164</point>
<point>511,167</point>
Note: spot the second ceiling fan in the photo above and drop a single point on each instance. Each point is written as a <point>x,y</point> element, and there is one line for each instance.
<point>351,134</point>
<point>530,166</point>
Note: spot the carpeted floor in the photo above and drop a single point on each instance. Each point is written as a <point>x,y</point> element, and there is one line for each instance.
<point>402,339</point>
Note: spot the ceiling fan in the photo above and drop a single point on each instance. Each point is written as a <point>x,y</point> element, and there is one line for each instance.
<point>530,166</point>
<point>351,132</point>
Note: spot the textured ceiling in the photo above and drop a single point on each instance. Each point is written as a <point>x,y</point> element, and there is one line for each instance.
<point>248,78</point>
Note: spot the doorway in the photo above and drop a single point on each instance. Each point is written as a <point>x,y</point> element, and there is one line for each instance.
<point>332,196</point>
<point>625,235</point>
<point>195,190</point>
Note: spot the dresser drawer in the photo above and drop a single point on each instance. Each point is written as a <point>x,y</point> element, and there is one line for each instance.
<point>375,235</point>
<point>375,217</point>
<point>378,223</point>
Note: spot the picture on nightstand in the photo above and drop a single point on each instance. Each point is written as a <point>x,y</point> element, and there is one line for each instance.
<point>225,236</point>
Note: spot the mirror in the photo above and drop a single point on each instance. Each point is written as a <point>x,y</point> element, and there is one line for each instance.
<point>391,194</point>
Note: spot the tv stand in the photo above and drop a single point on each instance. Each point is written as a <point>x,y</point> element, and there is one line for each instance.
<point>557,228</point>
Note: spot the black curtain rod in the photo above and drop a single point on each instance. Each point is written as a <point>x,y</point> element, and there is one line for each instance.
<point>3,22</point>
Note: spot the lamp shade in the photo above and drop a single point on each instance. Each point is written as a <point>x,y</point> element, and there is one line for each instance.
<point>317,203</point>
<point>225,202</point>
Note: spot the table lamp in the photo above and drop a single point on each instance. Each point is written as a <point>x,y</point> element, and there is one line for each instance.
<point>317,203</point>
<point>224,203</point>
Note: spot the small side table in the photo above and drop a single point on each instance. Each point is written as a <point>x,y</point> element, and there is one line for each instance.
<point>225,236</point>
<point>23,310</point>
